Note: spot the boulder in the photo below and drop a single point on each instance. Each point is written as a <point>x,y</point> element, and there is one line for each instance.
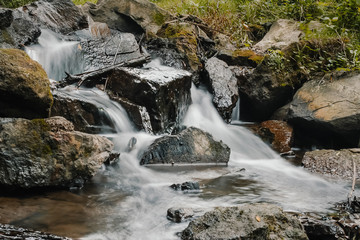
<point>282,34</point>
<point>278,133</point>
<point>135,16</point>
<point>262,92</point>
<point>223,84</point>
<point>6,18</point>
<point>48,153</point>
<point>85,116</point>
<point>13,232</point>
<point>240,57</point>
<point>179,214</point>
<point>250,221</point>
<point>329,107</point>
<point>165,93</point>
<point>191,145</point>
<point>24,86</point>
<point>335,163</point>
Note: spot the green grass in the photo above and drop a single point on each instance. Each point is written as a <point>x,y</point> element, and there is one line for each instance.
<point>81,2</point>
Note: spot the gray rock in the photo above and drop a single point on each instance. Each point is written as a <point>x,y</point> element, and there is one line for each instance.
<point>192,145</point>
<point>186,186</point>
<point>336,163</point>
<point>179,214</point>
<point>165,93</point>
<point>6,18</point>
<point>223,84</point>
<point>282,33</point>
<point>330,106</point>
<point>48,153</point>
<point>250,221</point>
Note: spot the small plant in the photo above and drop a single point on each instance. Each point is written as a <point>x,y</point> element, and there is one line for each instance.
<point>14,3</point>
<point>81,2</point>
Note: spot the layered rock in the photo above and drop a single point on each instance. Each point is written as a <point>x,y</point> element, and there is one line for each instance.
<point>12,232</point>
<point>165,93</point>
<point>336,163</point>
<point>85,116</point>
<point>282,33</point>
<point>223,84</point>
<point>48,153</point>
<point>24,86</point>
<point>250,221</point>
<point>329,107</point>
<point>191,145</point>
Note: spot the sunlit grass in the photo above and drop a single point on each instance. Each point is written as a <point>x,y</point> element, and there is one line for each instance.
<point>81,2</point>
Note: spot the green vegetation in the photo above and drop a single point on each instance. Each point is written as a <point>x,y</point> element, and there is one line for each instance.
<point>19,3</point>
<point>81,2</point>
<point>332,28</point>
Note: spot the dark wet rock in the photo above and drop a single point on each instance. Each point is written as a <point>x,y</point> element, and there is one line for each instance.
<point>281,113</point>
<point>6,18</point>
<point>13,232</point>
<point>179,214</point>
<point>24,86</point>
<point>223,84</point>
<point>262,92</point>
<point>282,34</point>
<point>329,107</point>
<point>135,16</point>
<point>186,186</point>
<point>48,153</point>
<point>109,50</point>
<point>338,163</point>
<point>240,57</point>
<point>85,116</point>
<point>278,133</point>
<point>61,16</point>
<point>190,146</point>
<point>250,221</point>
<point>165,93</point>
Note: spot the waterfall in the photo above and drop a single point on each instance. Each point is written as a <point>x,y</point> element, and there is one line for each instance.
<point>56,56</point>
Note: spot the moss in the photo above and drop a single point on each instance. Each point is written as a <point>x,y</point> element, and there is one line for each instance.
<point>6,37</point>
<point>249,54</point>
<point>159,19</point>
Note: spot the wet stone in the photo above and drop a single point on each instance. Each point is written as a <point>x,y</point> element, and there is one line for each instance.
<point>186,186</point>
<point>179,214</point>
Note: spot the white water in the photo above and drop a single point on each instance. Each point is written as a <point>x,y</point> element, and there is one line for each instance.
<point>137,197</point>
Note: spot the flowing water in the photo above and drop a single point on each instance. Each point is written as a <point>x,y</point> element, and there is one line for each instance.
<point>129,201</point>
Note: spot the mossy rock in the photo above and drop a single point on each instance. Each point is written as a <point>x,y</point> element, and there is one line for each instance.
<point>185,38</point>
<point>241,57</point>
<point>24,86</point>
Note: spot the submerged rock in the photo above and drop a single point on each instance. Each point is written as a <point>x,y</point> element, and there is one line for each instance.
<point>186,186</point>
<point>179,214</point>
<point>48,153</point>
<point>338,163</point>
<point>250,221</point>
<point>191,145</point>
<point>223,84</point>
<point>329,107</point>
<point>24,86</point>
<point>164,93</point>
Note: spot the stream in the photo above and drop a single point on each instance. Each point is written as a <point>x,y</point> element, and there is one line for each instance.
<point>129,201</point>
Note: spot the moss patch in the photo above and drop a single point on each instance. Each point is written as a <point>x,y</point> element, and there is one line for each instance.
<point>5,36</point>
<point>159,19</point>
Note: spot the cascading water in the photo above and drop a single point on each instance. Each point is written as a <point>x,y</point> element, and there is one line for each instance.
<point>130,201</point>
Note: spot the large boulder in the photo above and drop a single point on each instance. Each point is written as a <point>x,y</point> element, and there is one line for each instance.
<point>282,33</point>
<point>223,84</point>
<point>85,116</point>
<point>165,93</point>
<point>329,107</point>
<point>191,145</point>
<point>48,153</point>
<point>250,221</point>
<point>133,16</point>
<point>24,86</point>
<point>336,163</point>
<point>13,232</point>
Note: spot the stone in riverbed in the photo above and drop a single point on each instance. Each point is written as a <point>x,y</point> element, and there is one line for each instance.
<point>260,221</point>
<point>179,214</point>
<point>12,232</point>
<point>48,153</point>
<point>332,162</point>
<point>186,186</point>
<point>191,145</point>
<point>164,92</point>
<point>24,86</point>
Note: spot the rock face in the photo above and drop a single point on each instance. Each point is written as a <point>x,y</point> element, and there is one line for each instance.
<point>191,145</point>
<point>12,232</point>
<point>48,152</point>
<point>85,116</point>
<point>332,162</point>
<point>24,86</point>
<point>330,107</point>
<point>281,34</point>
<point>61,16</point>
<point>278,133</point>
<point>223,84</point>
<point>261,93</point>
<point>133,16</point>
<point>250,221</point>
<point>165,93</point>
